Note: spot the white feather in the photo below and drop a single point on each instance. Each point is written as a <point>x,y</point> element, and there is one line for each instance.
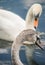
<point>10,25</point>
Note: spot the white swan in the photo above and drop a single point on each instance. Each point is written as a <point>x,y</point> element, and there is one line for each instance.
<point>11,25</point>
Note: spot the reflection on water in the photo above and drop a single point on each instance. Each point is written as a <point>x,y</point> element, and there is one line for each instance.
<point>5,52</point>
<point>5,62</point>
<point>39,56</point>
<point>5,56</point>
<point>20,7</point>
<point>5,43</point>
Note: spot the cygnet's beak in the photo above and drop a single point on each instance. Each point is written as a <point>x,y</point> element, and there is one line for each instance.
<point>39,45</point>
<point>37,42</point>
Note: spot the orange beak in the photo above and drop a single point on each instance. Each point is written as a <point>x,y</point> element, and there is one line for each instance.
<point>35,23</point>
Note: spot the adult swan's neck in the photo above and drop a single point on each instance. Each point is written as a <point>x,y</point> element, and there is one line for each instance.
<point>29,19</point>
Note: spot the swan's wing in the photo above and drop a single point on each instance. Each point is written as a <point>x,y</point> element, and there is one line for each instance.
<point>10,25</point>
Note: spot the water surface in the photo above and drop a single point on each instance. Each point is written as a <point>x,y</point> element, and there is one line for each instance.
<point>21,7</point>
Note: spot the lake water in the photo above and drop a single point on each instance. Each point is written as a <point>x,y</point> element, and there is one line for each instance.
<point>21,7</point>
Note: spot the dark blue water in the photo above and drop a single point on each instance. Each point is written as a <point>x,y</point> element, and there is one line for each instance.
<point>21,7</point>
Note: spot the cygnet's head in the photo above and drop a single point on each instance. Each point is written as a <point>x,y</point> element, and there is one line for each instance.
<point>36,10</point>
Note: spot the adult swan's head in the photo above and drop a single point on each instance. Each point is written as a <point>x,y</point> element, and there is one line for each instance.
<point>33,15</point>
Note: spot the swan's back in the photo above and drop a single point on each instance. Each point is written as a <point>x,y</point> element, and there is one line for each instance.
<point>10,25</point>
